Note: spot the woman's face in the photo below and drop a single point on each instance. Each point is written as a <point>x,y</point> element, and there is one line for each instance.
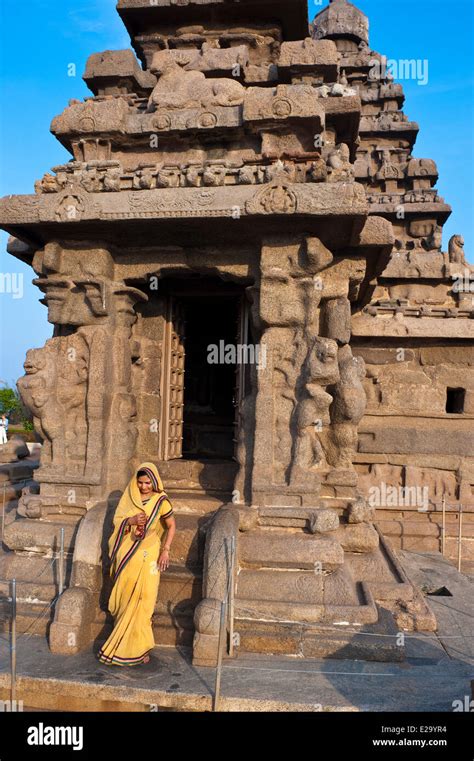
<point>144,484</point>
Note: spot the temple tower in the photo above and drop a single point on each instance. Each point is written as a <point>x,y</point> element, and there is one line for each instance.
<point>222,259</point>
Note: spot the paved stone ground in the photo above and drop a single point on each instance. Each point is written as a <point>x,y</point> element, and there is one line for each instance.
<point>437,671</point>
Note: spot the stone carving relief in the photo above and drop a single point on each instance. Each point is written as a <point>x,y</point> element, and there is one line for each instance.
<point>306,52</point>
<point>317,390</point>
<point>347,410</point>
<point>181,89</point>
<point>277,198</point>
<point>110,177</point>
<point>54,389</point>
<point>212,58</point>
<point>312,411</point>
<point>82,377</point>
<point>389,170</point>
<point>340,168</point>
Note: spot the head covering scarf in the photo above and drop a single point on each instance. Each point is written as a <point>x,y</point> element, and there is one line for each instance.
<point>153,475</point>
<point>131,501</point>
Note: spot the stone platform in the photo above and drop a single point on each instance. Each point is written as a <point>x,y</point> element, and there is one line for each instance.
<point>437,670</point>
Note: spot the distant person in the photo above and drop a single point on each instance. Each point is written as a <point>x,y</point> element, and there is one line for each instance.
<point>3,429</point>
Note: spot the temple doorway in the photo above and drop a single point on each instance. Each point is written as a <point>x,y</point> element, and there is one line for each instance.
<point>201,386</point>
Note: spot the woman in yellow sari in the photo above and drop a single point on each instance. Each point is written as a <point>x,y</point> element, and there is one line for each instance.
<point>142,516</point>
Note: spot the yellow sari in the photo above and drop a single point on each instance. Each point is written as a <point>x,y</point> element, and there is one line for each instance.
<point>134,569</point>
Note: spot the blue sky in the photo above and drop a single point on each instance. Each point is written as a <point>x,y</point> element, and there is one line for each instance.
<point>41,38</point>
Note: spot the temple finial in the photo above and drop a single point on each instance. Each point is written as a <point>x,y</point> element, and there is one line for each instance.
<point>341,19</point>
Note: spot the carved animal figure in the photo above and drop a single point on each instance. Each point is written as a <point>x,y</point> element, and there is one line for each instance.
<point>37,390</point>
<point>177,88</point>
<point>456,250</point>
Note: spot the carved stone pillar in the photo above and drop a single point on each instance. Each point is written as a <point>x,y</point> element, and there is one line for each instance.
<point>310,396</point>
<point>78,386</point>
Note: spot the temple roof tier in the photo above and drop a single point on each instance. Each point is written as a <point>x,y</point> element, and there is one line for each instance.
<point>164,17</point>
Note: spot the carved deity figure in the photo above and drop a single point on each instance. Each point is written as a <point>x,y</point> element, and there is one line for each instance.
<point>312,412</point>
<point>389,170</point>
<point>340,168</point>
<point>348,408</point>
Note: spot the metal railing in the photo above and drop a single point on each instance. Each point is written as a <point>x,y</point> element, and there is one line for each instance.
<point>444,504</point>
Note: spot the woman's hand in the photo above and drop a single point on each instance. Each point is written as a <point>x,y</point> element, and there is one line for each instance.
<point>137,520</point>
<point>164,560</point>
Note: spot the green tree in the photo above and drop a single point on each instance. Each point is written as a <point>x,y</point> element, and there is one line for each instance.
<point>11,405</point>
<point>9,401</point>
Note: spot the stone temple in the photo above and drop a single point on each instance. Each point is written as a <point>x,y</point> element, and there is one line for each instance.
<point>243,265</point>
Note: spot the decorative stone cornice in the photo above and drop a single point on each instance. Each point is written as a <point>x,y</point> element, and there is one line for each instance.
<point>276,198</point>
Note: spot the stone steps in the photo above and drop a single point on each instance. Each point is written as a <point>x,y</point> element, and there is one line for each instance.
<point>37,585</point>
<point>292,586</point>
<point>356,611</point>
<point>35,582</point>
<point>31,617</point>
<point>297,586</point>
<point>200,475</point>
<point>270,548</point>
<point>196,502</point>
<point>189,540</point>
<point>178,595</point>
<point>290,580</point>
<point>39,536</point>
<point>369,642</point>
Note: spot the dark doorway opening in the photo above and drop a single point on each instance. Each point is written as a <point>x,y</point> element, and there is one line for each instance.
<point>455,400</point>
<point>212,312</point>
<point>209,391</point>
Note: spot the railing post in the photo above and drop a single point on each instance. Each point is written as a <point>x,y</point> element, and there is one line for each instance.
<point>13,646</point>
<point>231,596</point>
<point>3,509</point>
<point>443,526</point>
<point>217,691</point>
<point>61,563</point>
<point>460,539</point>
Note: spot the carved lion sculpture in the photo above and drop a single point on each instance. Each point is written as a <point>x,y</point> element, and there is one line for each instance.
<point>37,390</point>
<point>456,250</point>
